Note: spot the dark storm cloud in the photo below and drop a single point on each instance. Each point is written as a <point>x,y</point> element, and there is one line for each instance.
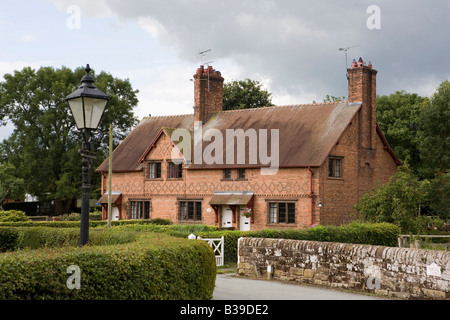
<point>295,43</point>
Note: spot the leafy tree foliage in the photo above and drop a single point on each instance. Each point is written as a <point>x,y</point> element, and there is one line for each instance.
<point>399,201</point>
<point>245,94</point>
<point>398,116</point>
<point>11,187</point>
<point>44,145</point>
<point>434,135</point>
<point>418,130</point>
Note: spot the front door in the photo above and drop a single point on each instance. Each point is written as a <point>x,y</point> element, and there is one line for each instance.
<point>115,214</point>
<point>227,217</point>
<point>244,222</point>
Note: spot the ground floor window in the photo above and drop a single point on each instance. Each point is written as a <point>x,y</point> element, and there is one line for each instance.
<point>140,209</point>
<point>281,212</point>
<point>190,211</point>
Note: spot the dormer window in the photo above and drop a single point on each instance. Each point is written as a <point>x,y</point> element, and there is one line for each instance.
<point>154,170</point>
<point>175,170</point>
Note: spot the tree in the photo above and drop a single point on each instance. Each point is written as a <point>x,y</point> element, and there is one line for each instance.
<point>434,148</point>
<point>11,187</point>
<point>398,117</point>
<point>245,94</point>
<point>434,135</point>
<point>399,201</point>
<point>44,144</point>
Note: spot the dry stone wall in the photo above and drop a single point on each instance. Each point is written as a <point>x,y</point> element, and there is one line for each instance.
<point>394,272</point>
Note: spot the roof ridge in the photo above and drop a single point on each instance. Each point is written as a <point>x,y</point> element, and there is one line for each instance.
<point>169,116</point>
<point>286,106</point>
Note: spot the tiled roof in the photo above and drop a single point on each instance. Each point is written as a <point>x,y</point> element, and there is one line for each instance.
<point>307,133</point>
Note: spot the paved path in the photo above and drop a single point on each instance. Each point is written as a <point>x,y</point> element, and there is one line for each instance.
<point>230,287</point>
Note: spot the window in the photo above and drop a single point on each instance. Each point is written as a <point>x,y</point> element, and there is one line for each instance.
<point>140,209</point>
<point>281,212</point>
<point>227,174</point>
<point>175,170</point>
<point>335,167</point>
<point>155,170</point>
<point>190,211</point>
<point>241,174</point>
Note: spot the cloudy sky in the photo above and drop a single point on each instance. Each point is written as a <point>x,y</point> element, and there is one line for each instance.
<point>292,46</point>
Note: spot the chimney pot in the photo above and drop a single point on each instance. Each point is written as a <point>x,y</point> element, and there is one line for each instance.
<point>360,62</point>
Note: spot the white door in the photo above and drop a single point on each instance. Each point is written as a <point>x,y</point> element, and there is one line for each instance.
<point>244,222</point>
<point>114,214</point>
<point>227,217</point>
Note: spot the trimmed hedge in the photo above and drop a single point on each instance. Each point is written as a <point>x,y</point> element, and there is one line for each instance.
<point>12,239</point>
<point>153,267</point>
<point>382,234</point>
<point>76,224</point>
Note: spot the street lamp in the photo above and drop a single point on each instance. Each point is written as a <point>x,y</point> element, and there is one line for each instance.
<point>87,104</point>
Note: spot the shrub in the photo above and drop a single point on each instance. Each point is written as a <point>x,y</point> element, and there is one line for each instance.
<point>383,234</point>
<point>10,239</point>
<point>149,269</point>
<point>13,216</point>
<point>399,201</point>
<point>161,221</point>
<point>74,216</point>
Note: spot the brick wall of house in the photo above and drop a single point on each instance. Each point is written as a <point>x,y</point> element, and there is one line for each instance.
<point>338,195</point>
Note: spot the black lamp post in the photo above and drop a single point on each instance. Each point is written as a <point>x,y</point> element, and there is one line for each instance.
<point>87,104</point>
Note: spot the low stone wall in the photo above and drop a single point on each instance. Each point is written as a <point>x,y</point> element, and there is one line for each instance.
<point>394,272</point>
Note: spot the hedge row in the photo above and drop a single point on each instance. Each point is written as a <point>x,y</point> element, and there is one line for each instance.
<point>151,268</point>
<point>12,239</point>
<point>76,224</point>
<point>382,234</point>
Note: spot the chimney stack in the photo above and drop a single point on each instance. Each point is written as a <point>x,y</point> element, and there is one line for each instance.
<point>208,93</point>
<point>362,88</point>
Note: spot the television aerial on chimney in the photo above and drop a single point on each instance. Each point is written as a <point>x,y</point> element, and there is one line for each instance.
<point>203,54</point>
<point>346,50</point>
<point>204,63</point>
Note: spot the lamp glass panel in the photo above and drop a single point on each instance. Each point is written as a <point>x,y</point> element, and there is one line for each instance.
<point>94,109</point>
<point>76,106</point>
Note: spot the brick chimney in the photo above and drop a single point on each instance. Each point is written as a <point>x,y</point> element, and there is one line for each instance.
<point>362,88</point>
<point>208,93</point>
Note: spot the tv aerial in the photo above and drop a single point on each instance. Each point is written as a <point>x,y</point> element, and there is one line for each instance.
<point>203,55</point>
<point>346,50</point>
<point>204,63</point>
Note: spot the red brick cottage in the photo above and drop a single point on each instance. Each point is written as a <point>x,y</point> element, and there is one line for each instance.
<point>292,166</point>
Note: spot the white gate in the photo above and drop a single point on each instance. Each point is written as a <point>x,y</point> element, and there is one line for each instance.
<point>217,245</point>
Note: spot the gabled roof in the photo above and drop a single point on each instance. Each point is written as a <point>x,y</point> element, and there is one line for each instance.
<point>127,156</point>
<point>168,132</point>
<point>307,133</point>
